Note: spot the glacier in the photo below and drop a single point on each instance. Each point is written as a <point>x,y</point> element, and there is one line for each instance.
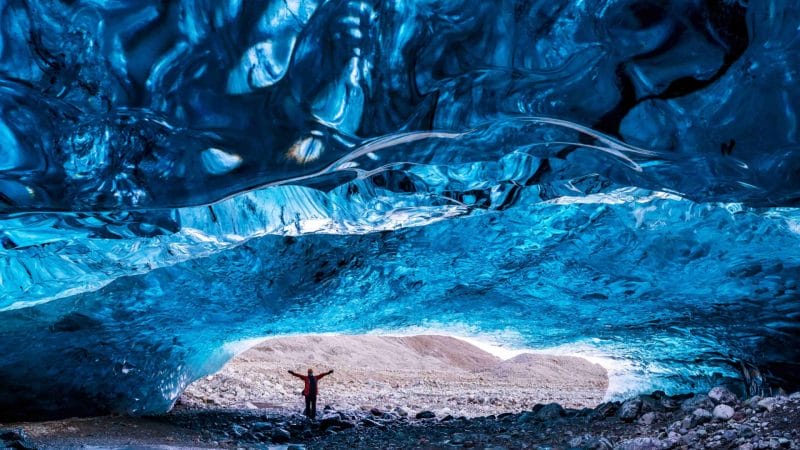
<point>178,176</point>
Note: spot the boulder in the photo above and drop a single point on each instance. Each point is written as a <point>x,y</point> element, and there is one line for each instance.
<point>629,410</point>
<point>722,395</point>
<point>647,419</point>
<point>604,410</point>
<point>550,411</point>
<point>701,415</point>
<point>723,412</point>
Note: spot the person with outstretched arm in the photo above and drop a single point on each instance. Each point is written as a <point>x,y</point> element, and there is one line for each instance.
<point>310,391</point>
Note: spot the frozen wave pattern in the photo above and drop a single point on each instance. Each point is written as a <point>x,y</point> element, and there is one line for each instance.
<point>622,171</point>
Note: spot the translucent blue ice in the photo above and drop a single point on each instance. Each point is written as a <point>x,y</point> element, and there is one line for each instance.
<point>175,176</point>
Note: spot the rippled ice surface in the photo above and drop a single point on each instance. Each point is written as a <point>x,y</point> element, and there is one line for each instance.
<point>619,175</point>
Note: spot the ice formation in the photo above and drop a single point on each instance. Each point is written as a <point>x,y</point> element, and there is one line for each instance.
<point>175,176</point>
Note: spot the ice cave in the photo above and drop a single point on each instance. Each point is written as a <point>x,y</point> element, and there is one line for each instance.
<point>617,177</point>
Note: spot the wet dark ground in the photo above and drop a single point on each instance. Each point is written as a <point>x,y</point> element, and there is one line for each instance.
<point>654,421</point>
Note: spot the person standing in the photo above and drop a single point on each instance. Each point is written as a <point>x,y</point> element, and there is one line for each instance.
<point>310,391</point>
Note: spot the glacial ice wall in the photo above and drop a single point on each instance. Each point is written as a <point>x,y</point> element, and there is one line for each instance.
<point>179,175</point>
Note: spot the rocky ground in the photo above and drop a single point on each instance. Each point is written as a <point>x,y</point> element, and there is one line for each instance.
<point>656,421</point>
<point>426,392</point>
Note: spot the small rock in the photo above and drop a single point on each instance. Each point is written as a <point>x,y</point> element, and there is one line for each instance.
<point>260,426</point>
<point>698,401</point>
<point>458,438</point>
<point>647,419</point>
<point>751,402</point>
<point>238,430</point>
<point>376,412</point>
<point>722,395</point>
<point>400,411</point>
<point>550,411</point>
<point>590,441</point>
<point>723,412</point>
<point>334,422</point>
<point>604,410</point>
<point>371,423</point>
<point>640,443</point>
<point>701,415</point>
<point>729,435</point>
<point>425,415</point>
<point>526,417</point>
<point>630,409</point>
<point>280,436</point>
<point>767,403</point>
<point>670,404</point>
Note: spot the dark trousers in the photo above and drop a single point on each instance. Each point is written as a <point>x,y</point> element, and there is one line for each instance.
<point>311,407</point>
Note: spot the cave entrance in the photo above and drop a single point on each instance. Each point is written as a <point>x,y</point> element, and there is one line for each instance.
<point>397,375</point>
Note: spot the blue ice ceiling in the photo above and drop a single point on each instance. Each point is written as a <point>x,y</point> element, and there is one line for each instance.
<point>179,175</point>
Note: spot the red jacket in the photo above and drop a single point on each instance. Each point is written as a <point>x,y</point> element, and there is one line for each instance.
<point>310,387</point>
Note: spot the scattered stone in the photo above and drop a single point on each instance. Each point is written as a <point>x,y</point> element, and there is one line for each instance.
<point>728,435</point>
<point>238,430</point>
<point>15,439</point>
<point>425,415</point>
<point>590,441</point>
<point>260,426</point>
<point>701,415</point>
<point>604,410</point>
<point>526,416</point>
<point>630,409</point>
<point>722,395</point>
<point>550,411</point>
<point>545,426</point>
<point>698,401</point>
<point>640,443</point>
<point>334,423</point>
<point>723,412</point>
<point>746,432</point>
<point>280,436</point>
<point>367,422</point>
<point>767,403</point>
<point>458,438</point>
<point>13,435</point>
<point>400,411</point>
<point>647,419</point>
